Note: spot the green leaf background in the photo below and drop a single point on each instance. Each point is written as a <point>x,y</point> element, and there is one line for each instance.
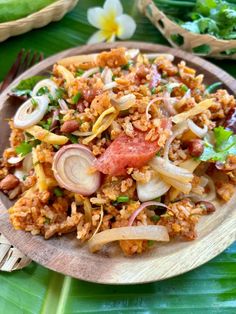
<point>209,289</point>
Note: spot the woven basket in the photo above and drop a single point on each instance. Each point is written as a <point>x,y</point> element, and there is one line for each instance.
<point>181,38</point>
<point>53,12</point>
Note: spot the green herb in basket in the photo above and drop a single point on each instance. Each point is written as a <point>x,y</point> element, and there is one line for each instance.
<point>214,17</point>
<point>11,10</point>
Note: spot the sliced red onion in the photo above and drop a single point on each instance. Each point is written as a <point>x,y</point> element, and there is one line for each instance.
<point>55,119</point>
<point>181,102</point>
<point>225,167</point>
<point>52,87</point>
<point>132,53</point>
<point>187,94</point>
<point>124,102</point>
<point>107,75</point>
<point>63,104</point>
<point>109,85</point>
<point>211,195</point>
<point>149,106</point>
<point>20,174</point>
<point>89,72</point>
<point>155,77</point>
<point>177,131</point>
<point>30,113</point>
<point>150,232</point>
<point>72,169</point>
<point>15,160</point>
<point>141,207</point>
<point>200,132</point>
<point>170,170</point>
<point>154,188</point>
<point>27,164</point>
<point>169,104</point>
<point>151,56</point>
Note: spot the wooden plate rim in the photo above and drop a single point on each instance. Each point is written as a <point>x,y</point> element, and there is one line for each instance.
<point>122,273</point>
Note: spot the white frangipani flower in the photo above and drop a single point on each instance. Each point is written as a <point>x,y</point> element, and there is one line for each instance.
<point>111,22</point>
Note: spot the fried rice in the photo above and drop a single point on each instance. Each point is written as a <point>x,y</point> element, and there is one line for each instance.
<point>146,121</point>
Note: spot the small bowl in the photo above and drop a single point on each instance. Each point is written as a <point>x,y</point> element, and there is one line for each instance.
<point>178,37</point>
<point>51,13</point>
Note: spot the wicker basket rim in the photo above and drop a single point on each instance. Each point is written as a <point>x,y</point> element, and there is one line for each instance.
<point>32,16</point>
<point>185,31</point>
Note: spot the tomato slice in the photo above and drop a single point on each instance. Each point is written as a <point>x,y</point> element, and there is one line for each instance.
<point>126,152</point>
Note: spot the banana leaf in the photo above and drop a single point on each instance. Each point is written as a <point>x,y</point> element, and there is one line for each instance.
<point>208,289</point>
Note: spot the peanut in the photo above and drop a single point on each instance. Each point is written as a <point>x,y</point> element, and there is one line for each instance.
<point>195,147</point>
<point>69,126</point>
<point>9,182</point>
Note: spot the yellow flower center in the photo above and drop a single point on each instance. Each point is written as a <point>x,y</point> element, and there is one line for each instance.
<point>109,25</point>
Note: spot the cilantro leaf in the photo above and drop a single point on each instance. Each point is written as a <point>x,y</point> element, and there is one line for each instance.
<point>73,138</point>
<point>76,98</point>
<point>79,72</point>
<point>58,192</point>
<point>214,17</point>
<point>191,27</point>
<point>209,153</point>
<point>225,145</point>
<point>204,7</point>
<point>26,86</point>
<point>221,136</point>
<point>46,124</point>
<point>207,25</point>
<point>23,149</point>
<point>26,147</point>
<point>43,90</point>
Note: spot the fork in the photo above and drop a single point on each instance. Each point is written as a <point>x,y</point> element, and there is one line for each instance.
<point>24,60</point>
<point>10,257</point>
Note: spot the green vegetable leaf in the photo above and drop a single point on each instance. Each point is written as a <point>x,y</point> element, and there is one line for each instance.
<point>26,147</point>
<point>43,90</point>
<point>26,86</point>
<point>73,138</point>
<point>127,66</point>
<point>58,192</point>
<point>76,98</point>
<point>79,72</point>
<point>207,25</point>
<point>155,218</point>
<point>46,124</point>
<point>191,27</point>
<point>60,92</point>
<point>34,103</point>
<point>150,243</point>
<point>153,90</point>
<point>221,136</point>
<point>184,88</point>
<point>47,220</point>
<point>225,145</point>
<point>212,87</point>
<point>204,7</point>
<point>122,199</point>
<point>214,17</point>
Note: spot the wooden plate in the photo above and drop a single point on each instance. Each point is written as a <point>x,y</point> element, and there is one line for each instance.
<point>63,254</point>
